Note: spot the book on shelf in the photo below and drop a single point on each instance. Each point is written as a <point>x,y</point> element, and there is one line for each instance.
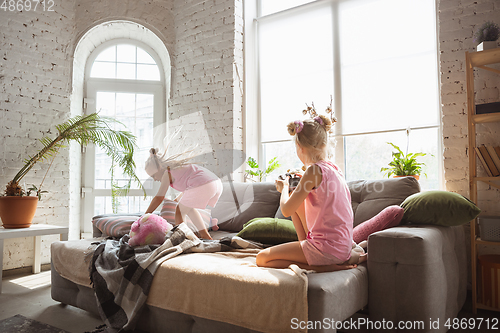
<point>495,155</point>
<point>486,159</point>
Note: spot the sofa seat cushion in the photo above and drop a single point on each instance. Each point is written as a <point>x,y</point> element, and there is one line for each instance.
<point>337,295</point>
<point>258,298</point>
<point>71,259</point>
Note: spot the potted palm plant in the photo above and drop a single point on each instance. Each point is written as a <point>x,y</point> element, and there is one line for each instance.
<point>403,165</point>
<point>17,207</point>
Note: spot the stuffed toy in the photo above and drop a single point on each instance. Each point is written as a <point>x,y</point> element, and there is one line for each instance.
<point>149,229</point>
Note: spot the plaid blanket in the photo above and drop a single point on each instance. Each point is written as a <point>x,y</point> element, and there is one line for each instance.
<point>122,275</point>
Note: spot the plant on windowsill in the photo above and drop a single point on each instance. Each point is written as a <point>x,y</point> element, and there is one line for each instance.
<point>17,207</point>
<point>487,35</point>
<point>255,171</point>
<point>403,165</point>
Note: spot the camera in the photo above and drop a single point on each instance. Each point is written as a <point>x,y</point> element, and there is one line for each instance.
<point>293,179</point>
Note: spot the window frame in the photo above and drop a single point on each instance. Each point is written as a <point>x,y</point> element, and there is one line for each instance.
<point>253,118</point>
<point>91,86</point>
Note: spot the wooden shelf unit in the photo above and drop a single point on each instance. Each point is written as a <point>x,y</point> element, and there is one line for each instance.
<point>479,60</point>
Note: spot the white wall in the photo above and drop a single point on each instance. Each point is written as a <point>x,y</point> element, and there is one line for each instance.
<point>458,20</point>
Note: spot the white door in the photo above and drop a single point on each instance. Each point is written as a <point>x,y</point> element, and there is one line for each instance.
<point>139,106</point>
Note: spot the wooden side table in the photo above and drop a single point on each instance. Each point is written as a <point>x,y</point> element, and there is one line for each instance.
<point>36,231</point>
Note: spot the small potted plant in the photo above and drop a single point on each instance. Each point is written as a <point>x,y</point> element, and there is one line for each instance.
<point>255,170</point>
<point>403,165</point>
<point>17,207</point>
<point>487,35</point>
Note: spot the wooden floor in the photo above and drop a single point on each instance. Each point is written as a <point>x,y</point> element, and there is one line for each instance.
<point>29,295</point>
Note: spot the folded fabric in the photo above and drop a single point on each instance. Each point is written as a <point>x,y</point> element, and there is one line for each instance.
<point>268,230</point>
<point>389,217</point>
<point>439,208</point>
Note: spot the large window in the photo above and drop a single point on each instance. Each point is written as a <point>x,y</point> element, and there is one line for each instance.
<point>124,82</point>
<point>377,60</point>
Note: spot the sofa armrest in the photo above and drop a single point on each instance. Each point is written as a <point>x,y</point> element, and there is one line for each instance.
<point>417,273</point>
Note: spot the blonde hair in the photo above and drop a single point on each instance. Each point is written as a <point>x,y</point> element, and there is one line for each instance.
<point>157,161</point>
<point>312,135</point>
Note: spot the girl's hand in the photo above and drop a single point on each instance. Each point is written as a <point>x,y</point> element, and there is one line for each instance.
<point>280,184</point>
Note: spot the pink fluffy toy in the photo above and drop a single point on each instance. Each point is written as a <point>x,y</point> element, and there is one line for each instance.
<point>149,229</point>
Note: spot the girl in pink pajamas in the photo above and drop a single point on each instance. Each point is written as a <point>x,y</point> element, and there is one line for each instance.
<point>199,186</point>
<point>320,207</point>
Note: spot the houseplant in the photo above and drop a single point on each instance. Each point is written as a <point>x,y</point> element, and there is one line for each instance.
<point>119,145</point>
<point>255,170</point>
<point>404,164</point>
<point>487,35</point>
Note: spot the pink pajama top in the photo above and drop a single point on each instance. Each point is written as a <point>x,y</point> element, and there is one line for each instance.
<point>328,213</point>
<point>185,178</point>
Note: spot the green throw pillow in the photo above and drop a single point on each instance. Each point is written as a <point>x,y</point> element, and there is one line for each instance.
<point>268,230</point>
<point>438,208</point>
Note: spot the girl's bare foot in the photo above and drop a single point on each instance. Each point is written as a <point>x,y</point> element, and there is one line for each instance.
<point>204,234</point>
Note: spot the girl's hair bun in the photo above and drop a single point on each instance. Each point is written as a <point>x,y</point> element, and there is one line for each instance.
<point>291,128</point>
<point>327,123</point>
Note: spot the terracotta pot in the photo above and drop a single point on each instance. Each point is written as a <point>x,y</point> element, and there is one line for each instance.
<point>417,177</point>
<point>17,212</point>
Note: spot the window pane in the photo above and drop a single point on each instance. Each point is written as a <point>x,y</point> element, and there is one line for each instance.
<point>126,204</point>
<point>145,104</point>
<point>105,103</point>
<point>108,54</point>
<point>148,72</point>
<point>394,85</point>
<point>287,157</point>
<point>126,53</point>
<point>367,154</point>
<point>295,67</point>
<point>272,6</point>
<point>125,105</point>
<point>390,94</point>
<point>144,58</point>
<point>105,70</point>
<point>125,71</point>
<point>136,118</point>
<point>387,28</point>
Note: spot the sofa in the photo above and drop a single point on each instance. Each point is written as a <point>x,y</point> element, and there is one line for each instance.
<point>414,275</point>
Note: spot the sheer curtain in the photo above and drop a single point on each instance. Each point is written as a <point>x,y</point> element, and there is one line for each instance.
<point>377,58</point>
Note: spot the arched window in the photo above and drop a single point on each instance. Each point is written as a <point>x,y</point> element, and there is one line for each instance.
<point>124,80</point>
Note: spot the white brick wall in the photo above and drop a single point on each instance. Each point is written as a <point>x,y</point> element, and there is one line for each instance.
<point>458,20</point>
<point>206,97</point>
<point>35,64</point>
<point>36,56</point>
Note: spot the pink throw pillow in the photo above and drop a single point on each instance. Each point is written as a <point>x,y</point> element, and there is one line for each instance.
<point>389,217</point>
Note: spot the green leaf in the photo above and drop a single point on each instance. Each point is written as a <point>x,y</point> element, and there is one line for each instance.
<point>252,163</point>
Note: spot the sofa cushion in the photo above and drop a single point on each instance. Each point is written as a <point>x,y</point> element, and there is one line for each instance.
<point>370,197</point>
<point>268,230</point>
<point>241,202</point>
<point>439,208</point>
<point>389,217</point>
<point>114,225</point>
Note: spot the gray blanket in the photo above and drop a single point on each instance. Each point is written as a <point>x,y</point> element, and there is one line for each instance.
<point>122,275</point>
